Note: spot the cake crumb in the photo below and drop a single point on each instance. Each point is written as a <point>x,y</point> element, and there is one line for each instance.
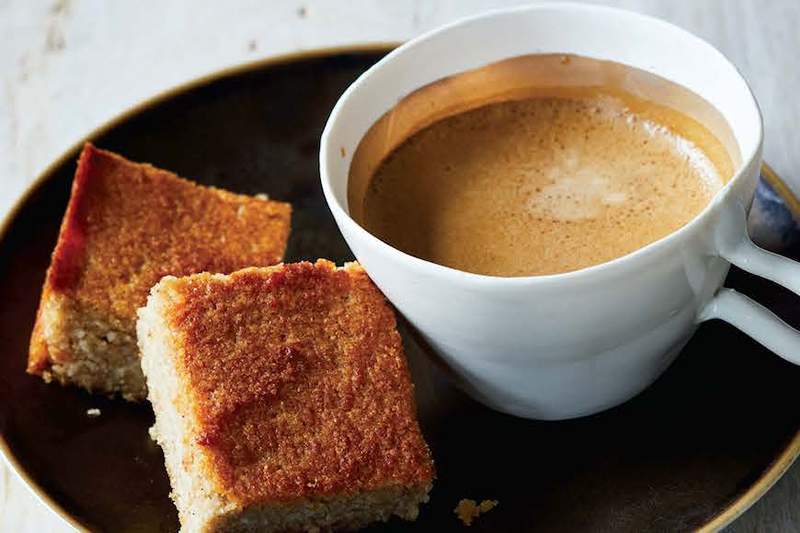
<point>94,412</point>
<point>468,510</point>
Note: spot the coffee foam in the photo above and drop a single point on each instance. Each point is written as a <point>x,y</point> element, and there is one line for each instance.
<point>578,191</point>
<point>539,186</point>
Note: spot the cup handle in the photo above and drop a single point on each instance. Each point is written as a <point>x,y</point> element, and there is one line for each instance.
<point>757,321</point>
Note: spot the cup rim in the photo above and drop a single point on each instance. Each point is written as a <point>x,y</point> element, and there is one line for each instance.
<point>429,267</point>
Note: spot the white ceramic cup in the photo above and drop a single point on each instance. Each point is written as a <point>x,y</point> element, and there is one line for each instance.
<point>572,344</point>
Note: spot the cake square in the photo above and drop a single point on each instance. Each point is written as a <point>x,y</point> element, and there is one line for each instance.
<point>126,226</point>
<point>283,400</point>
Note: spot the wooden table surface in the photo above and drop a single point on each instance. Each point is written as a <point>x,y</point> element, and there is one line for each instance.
<point>68,66</point>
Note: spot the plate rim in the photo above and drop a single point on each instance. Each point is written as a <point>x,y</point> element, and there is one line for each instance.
<point>779,466</point>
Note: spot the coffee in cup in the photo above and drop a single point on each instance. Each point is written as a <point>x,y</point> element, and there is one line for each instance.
<point>539,164</point>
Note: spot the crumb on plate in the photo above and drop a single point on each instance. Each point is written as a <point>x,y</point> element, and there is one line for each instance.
<point>468,510</point>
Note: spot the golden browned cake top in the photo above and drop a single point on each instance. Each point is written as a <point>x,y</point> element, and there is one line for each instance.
<point>297,381</point>
<point>129,224</point>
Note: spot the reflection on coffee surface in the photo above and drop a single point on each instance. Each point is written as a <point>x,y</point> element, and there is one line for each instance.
<point>560,179</point>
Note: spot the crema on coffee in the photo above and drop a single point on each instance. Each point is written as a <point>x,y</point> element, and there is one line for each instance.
<point>539,179</point>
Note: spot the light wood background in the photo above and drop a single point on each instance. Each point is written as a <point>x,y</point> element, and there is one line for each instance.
<point>68,66</point>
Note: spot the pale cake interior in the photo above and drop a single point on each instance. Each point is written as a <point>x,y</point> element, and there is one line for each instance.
<point>88,350</point>
<point>192,492</point>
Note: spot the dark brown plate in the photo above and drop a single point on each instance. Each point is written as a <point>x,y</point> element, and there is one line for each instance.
<point>694,450</point>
